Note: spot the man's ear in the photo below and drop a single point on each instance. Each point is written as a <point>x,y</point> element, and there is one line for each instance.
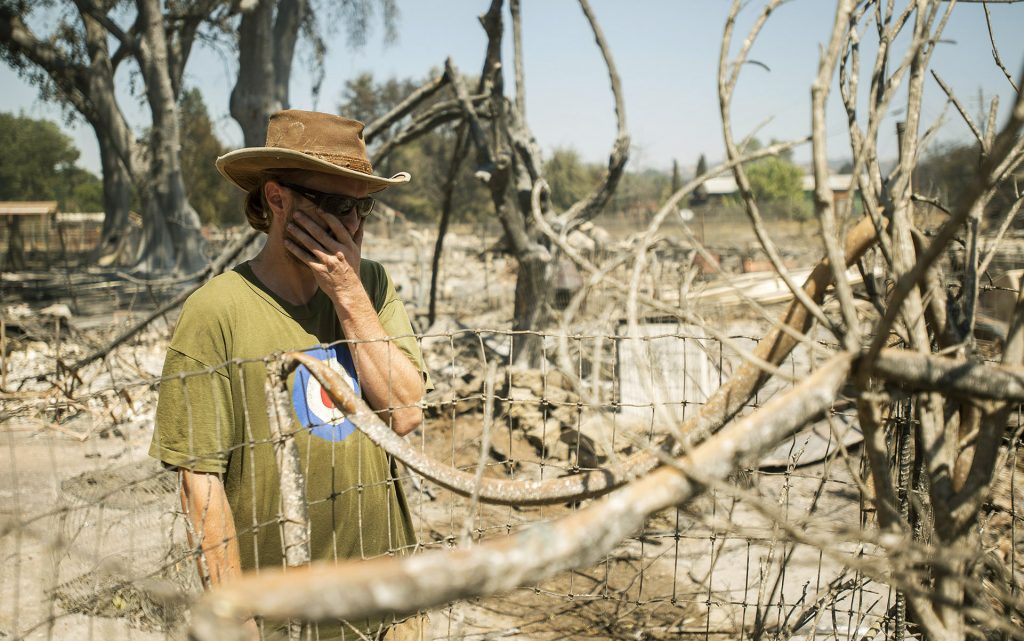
<point>276,196</point>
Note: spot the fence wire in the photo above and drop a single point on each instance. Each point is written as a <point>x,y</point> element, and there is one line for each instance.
<point>95,543</point>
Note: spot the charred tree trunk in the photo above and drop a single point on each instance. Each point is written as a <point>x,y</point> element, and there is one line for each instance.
<point>115,142</point>
<point>290,14</point>
<point>117,201</point>
<point>532,307</point>
<point>252,99</point>
<point>266,47</point>
<point>173,241</point>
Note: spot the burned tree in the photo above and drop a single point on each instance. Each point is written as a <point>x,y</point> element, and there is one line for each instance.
<point>508,162</point>
<point>883,334</point>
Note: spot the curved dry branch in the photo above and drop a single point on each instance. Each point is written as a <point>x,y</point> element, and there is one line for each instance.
<point>425,122</point>
<point>592,205</point>
<point>498,491</point>
<point>355,589</point>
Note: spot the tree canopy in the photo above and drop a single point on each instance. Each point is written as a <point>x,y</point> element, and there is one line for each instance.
<point>38,163</point>
<point>569,177</point>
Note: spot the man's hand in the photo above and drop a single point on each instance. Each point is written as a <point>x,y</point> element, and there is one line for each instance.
<point>330,250</point>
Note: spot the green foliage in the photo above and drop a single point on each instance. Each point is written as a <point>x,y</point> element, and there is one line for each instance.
<point>79,190</point>
<point>774,180</point>
<point>38,163</point>
<point>777,185</point>
<point>569,177</point>
<point>641,192</point>
<point>214,199</point>
<point>365,99</point>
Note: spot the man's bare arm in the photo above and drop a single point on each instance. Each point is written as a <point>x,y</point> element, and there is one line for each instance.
<point>206,504</point>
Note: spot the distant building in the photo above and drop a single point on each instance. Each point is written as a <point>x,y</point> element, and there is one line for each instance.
<point>37,227</point>
<point>26,226</point>
<point>725,186</point>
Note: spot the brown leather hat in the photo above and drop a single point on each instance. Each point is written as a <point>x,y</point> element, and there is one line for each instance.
<point>306,140</point>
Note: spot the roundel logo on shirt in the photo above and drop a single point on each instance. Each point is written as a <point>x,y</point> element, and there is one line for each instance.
<point>313,406</point>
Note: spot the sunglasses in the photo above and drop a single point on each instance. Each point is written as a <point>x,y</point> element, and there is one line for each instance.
<point>333,204</point>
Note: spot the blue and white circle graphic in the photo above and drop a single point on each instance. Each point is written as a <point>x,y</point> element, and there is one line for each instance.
<point>313,406</point>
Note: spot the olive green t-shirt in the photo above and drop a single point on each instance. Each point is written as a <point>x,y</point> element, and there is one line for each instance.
<point>212,417</point>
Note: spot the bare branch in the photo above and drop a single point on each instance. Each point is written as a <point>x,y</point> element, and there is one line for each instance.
<point>995,49</point>
<point>960,108</point>
<point>517,52</point>
<point>295,534</point>
<point>966,379</point>
<point>1005,143</point>
<point>469,111</point>
<point>598,198</point>
<point>422,93</point>
<point>823,197</point>
<point>726,86</point>
<point>425,122</point>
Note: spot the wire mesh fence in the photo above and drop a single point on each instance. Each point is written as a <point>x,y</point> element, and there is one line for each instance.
<point>96,544</point>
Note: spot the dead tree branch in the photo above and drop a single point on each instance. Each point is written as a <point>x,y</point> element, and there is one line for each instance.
<point>966,379</point>
<point>592,205</point>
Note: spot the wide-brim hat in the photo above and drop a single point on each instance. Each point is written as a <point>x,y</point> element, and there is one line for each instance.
<point>306,140</point>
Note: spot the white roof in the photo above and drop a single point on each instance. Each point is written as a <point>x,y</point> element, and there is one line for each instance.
<point>836,182</point>
<point>28,207</point>
<point>723,185</point>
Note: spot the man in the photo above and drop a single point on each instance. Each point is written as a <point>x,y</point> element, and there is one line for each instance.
<point>309,190</point>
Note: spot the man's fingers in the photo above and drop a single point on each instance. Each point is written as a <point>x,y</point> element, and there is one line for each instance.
<point>300,252</point>
<point>318,250</point>
<point>341,233</point>
<point>313,229</point>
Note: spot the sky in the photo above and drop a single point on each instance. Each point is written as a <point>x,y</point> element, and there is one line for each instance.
<point>666,52</point>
